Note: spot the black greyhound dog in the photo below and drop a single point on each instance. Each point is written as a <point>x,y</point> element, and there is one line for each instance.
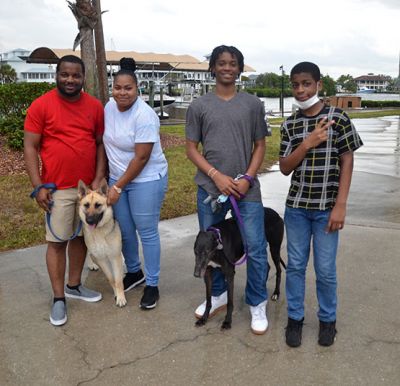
<point>224,248</point>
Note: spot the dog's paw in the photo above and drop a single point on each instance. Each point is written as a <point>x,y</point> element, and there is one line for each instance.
<point>201,322</point>
<point>274,297</point>
<point>226,325</point>
<point>120,301</point>
<point>93,267</point>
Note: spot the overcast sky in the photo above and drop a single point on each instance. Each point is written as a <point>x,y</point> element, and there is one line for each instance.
<point>342,36</point>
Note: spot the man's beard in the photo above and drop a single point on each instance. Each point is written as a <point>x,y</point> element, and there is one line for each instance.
<point>68,94</point>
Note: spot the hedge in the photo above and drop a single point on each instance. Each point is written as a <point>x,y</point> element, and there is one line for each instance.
<point>15,98</point>
<point>380,104</point>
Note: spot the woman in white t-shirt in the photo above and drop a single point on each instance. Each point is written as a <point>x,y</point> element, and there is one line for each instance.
<point>138,179</point>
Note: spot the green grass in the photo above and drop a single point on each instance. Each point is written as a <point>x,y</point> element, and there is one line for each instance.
<point>21,221</point>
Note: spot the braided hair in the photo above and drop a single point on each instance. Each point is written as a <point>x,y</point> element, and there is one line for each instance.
<point>217,51</point>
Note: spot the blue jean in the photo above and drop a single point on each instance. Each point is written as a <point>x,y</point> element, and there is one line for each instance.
<point>301,226</point>
<point>138,213</point>
<point>252,214</point>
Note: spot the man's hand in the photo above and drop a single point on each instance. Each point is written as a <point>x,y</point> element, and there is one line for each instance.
<point>43,199</point>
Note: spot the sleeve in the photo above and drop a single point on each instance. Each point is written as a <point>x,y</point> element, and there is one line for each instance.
<point>34,121</point>
<point>193,123</point>
<point>348,139</point>
<point>261,129</point>
<point>147,128</point>
<point>285,146</point>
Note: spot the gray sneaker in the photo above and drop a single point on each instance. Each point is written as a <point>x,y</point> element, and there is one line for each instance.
<point>58,315</point>
<point>82,293</point>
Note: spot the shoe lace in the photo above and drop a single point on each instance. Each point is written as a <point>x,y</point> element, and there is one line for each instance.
<point>258,313</point>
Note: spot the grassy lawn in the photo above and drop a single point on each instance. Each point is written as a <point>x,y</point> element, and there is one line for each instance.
<point>22,223</point>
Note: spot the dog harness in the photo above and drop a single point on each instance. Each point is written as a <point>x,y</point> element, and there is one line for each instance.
<point>52,187</point>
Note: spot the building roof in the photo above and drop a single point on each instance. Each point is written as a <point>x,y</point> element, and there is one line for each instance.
<point>372,77</point>
<point>144,60</point>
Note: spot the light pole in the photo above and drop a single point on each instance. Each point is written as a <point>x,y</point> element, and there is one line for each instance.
<point>282,88</point>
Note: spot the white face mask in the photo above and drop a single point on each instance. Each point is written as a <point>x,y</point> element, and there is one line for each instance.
<point>304,105</point>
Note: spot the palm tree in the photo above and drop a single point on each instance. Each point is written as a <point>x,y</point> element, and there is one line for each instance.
<point>7,74</point>
<point>86,15</point>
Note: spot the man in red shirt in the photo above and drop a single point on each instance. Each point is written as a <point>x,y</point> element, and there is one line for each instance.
<point>64,128</point>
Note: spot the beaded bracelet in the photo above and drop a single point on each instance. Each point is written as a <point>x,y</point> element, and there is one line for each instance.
<point>208,173</point>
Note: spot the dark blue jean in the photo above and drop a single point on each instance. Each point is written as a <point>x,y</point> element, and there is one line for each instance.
<point>252,214</point>
<point>302,226</point>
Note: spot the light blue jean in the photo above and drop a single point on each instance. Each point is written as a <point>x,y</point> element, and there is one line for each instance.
<point>302,225</point>
<point>138,213</point>
<point>252,214</point>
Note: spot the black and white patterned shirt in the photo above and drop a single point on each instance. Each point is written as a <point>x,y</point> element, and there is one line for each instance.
<point>315,182</point>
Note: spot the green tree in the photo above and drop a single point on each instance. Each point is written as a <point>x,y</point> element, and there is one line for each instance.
<point>347,83</point>
<point>268,80</point>
<point>7,74</point>
<point>328,85</point>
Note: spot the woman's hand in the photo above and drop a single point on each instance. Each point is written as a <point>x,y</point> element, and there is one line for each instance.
<point>112,196</point>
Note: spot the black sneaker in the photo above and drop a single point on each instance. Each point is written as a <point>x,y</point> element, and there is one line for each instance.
<point>293,332</point>
<point>150,297</point>
<point>133,279</point>
<point>327,333</point>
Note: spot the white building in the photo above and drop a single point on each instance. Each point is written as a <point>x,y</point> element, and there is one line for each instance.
<point>372,82</point>
<point>27,72</point>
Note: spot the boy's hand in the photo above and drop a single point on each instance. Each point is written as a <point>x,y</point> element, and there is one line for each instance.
<point>242,186</point>
<point>226,185</point>
<point>319,134</point>
<point>336,219</point>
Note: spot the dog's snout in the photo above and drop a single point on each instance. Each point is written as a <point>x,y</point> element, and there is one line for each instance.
<point>94,219</point>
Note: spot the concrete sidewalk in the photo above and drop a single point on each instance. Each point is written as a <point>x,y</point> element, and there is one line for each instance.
<point>104,345</point>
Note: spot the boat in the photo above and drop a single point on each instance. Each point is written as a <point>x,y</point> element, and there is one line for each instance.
<point>365,90</point>
<point>167,100</point>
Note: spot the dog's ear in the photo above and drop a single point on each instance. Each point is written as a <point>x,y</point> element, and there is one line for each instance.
<point>103,188</point>
<point>82,189</point>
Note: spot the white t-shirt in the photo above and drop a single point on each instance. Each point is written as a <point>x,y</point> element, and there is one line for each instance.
<point>123,130</point>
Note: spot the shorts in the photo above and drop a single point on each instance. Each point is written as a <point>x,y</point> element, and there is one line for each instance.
<point>64,217</point>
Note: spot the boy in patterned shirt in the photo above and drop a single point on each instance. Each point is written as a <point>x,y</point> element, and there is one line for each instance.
<point>317,145</point>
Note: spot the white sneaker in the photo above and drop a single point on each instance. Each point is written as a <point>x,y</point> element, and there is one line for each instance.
<point>218,303</point>
<point>259,321</point>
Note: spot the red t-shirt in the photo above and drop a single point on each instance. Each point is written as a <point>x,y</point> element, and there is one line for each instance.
<point>68,142</point>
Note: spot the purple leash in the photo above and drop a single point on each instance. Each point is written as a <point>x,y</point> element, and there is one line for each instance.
<point>217,232</point>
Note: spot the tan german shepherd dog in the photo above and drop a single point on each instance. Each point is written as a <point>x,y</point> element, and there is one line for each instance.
<point>102,235</point>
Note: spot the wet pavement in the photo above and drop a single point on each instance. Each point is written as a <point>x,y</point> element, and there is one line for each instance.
<point>104,345</point>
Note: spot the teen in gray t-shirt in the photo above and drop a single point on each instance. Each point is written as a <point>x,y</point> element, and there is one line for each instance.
<point>227,130</point>
<point>230,128</point>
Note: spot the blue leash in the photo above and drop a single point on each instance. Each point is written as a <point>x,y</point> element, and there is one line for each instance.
<point>52,187</point>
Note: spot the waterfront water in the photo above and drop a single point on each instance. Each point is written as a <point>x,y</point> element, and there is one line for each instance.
<point>272,104</point>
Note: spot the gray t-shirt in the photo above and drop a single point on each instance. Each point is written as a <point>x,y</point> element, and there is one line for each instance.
<point>227,131</point>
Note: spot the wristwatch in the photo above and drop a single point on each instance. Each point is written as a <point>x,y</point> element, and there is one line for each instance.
<point>119,190</point>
